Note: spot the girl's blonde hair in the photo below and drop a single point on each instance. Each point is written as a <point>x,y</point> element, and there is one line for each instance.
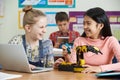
<point>31,15</point>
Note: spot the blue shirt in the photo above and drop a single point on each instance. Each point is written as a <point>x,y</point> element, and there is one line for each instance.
<point>34,55</point>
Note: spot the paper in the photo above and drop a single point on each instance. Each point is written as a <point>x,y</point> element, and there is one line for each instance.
<point>4,76</point>
<point>57,52</point>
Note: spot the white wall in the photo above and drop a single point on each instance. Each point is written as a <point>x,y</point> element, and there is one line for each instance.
<point>9,23</point>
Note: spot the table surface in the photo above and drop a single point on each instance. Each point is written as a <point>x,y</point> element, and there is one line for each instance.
<point>56,75</point>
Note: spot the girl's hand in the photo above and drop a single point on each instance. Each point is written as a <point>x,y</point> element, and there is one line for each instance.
<point>32,66</point>
<point>57,62</point>
<point>91,69</point>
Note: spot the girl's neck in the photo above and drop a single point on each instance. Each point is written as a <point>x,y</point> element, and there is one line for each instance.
<point>96,38</point>
<point>32,42</point>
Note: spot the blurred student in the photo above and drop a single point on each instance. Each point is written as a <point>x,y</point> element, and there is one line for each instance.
<point>62,20</point>
<point>38,50</point>
<point>97,32</point>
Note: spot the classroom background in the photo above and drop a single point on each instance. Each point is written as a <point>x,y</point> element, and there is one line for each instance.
<point>10,14</point>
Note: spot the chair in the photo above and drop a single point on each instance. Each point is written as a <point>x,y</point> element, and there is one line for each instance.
<point>114,59</point>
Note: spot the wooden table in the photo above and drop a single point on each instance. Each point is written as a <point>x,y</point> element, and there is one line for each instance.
<point>57,75</point>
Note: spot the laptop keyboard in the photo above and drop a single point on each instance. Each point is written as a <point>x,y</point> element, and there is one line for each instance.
<point>37,68</point>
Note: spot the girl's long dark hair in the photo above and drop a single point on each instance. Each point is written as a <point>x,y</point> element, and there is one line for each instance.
<point>99,15</point>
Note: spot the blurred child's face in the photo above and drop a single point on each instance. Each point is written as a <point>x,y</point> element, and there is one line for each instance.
<point>63,25</point>
<point>91,28</point>
<point>39,29</point>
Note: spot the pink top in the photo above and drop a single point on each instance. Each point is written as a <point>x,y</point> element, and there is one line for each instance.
<point>109,47</point>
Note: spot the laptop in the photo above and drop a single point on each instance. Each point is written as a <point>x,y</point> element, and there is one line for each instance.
<point>14,58</point>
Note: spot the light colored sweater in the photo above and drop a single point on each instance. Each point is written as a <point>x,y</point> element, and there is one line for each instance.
<point>109,47</point>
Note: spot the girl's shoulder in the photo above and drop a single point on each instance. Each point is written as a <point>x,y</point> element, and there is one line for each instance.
<point>111,38</point>
<point>16,39</point>
<point>107,38</point>
<point>47,42</point>
<point>17,36</point>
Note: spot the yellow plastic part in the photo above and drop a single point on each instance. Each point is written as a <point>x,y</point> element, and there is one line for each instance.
<point>96,48</point>
<point>77,69</point>
<point>82,62</point>
<point>66,63</point>
<point>84,48</point>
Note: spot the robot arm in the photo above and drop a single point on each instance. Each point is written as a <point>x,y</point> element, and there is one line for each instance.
<point>83,49</point>
<point>77,67</point>
<point>87,48</point>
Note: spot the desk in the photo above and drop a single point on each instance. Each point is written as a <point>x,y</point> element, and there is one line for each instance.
<point>56,75</point>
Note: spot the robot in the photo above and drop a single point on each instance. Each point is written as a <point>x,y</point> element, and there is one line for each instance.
<point>80,50</point>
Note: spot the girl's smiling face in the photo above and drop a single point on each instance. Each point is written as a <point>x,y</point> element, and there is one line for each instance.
<point>92,29</point>
<point>37,30</point>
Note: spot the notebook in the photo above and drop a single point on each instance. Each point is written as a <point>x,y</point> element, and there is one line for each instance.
<point>6,76</point>
<point>14,58</point>
<point>108,74</point>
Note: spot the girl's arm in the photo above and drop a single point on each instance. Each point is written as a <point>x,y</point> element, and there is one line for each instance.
<point>50,55</point>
